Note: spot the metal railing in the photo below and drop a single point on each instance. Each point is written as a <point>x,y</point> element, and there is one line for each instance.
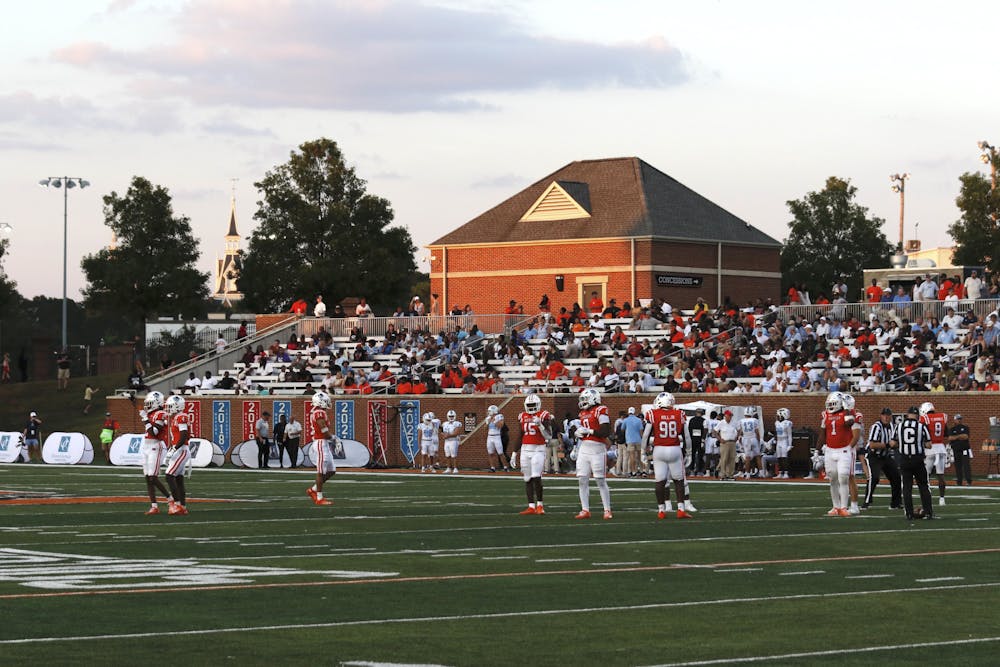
<point>909,310</point>
<point>378,327</point>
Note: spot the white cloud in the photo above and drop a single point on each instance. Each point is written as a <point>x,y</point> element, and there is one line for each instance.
<point>383,56</point>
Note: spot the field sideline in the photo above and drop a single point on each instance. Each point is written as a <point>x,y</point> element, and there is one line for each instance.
<point>410,569</point>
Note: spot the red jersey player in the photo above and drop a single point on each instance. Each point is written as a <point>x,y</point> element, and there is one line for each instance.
<point>178,453</point>
<point>664,435</point>
<point>857,428</point>
<point>838,435</point>
<point>319,431</point>
<point>154,445</point>
<point>592,456</point>
<point>536,429</point>
<point>937,457</point>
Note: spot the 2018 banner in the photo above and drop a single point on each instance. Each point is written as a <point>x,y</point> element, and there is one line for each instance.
<point>279,408</point>
<point>221,412</point>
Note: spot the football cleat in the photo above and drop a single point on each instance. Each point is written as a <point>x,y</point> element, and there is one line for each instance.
<point>539,509</point>
<point>174,508</point>
<point>311,492</point>
<point>155,509</point>
<point>608,515</point>
<point>183,511</point>
<point>681,514</point>
<point>941,501</point>
<point>582,514</point>
<point>527,510</point>
<point>833,512</point>
<point>842,512</point>
<point>661,515</point>
<point>323,501</point>
<point>854,510</point>
<point>689,506</point>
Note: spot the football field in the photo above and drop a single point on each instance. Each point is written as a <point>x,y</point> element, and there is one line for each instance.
<point>412,569</point>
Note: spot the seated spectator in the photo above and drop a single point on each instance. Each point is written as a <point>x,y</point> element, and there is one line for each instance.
<point>209,382</point>
<point>226,382</point>
<point>191,385</point>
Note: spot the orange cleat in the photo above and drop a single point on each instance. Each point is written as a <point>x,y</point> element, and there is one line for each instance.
<point>661,515</point>
<point>583,514</point>
<point>681,514</point>
<point>539,509</point>
<point>311,492</point>
<point>183,511</point>
<point>155,509</point>
<point>323,501</point>
<point>174,508</point>
<point>842,511</point>
<point>528,510</point>
<point>608,515</point>
<point>833,512</point>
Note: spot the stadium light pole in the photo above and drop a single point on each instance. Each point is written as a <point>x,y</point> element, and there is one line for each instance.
<point>899,185</point>
<point>64,182</point>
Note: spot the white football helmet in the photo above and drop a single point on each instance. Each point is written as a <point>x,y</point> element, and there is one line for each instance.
<point>750,411</point>
<point>848,401</point>
<point>321,400</point>
<point>451,415</point>
<point>589,397</point>
<point>664,400</point>
<point>784,414</point>
<point>427,418</point>
<point>175,404</point>
<point>835,402</point>
<point>492,410</point>
<point>926,408</point>
<point>154,401</point>
<point>532,403</point>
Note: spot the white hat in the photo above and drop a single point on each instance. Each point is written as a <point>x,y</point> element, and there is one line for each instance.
<point>33,414</point>
<point>416,298</point>
<point>631,411</point>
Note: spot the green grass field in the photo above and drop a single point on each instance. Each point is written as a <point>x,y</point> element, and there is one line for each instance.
<point>431,570</point>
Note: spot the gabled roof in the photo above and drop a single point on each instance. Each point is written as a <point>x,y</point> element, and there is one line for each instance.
<point>625,197</point>
<point>562,200</point>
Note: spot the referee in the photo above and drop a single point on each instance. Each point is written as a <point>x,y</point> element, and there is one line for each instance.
<point>911,438</point>
<point>881,460</point>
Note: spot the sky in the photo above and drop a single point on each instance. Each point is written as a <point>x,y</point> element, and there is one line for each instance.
<point>447,108</point>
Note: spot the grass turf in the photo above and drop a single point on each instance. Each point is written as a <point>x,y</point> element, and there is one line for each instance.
<point>413,569</point>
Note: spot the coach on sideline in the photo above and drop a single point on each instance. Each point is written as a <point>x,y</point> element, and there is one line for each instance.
<point>880,459</point>
<point>912,439</point>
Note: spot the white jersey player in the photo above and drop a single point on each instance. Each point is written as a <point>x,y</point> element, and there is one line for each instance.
<point>428,430</point>
<point>452,430</point>
<point>494,438</point>
<point>751,434</point>
<point>783,439</point>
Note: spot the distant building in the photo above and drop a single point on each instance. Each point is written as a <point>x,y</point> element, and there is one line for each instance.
<point>227,267</point>
<point>618,227</point>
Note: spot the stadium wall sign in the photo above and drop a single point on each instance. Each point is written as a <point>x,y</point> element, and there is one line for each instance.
<point>11,447</point>
<point>672,280</point>
<point>67,448</point>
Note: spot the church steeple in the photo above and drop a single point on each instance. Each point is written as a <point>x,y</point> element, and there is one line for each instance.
<point>227,267</point>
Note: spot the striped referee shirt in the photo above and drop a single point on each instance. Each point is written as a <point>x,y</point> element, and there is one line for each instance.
<point>878,432</point>
<point>910,436</point>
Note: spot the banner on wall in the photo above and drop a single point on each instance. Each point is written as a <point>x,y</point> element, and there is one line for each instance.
<point>378,429</point>
<point>126,450</point>
<point>221,412</point>
<point>193,410</point>
<point>409,420</point>
<point>279,408</point>
<point>251,413</point>
<point>343,418</point>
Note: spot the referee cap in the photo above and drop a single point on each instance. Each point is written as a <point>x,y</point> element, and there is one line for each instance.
<point>958,416</point>
<point>912,410</point>
<point>887,411</point>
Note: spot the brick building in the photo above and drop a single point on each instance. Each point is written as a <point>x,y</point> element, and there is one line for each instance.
<point>619,227</point>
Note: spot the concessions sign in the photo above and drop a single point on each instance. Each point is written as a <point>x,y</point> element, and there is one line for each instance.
<point>672,280</point>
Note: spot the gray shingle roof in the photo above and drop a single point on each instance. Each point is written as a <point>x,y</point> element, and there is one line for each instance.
<point>625,196</point>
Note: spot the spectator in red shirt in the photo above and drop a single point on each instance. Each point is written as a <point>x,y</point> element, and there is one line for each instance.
<point>873,293</point>
<point>595,305</point>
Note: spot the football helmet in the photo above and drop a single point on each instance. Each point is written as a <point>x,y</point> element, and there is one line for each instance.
<point>175,404</point>
<point>664,400</point>
<point>589,397</point>
<point>154,401</point>
<point>848,401</point>
<point>451,415</point>
<point>926,408</point>
<point>492,410</point>
<point>784,414</point>
<point>532,403</point>
<point>321,400</point>
<point>427,418</point>
<point>835,402</point>
<point>750,411</point>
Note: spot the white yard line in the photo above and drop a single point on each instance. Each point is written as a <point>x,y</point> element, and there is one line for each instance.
<point>544,612</point>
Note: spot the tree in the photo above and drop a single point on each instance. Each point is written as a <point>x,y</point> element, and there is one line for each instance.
<point>320,232</point>
<point>152,270</point>
<point>831,237</point>
<point>976,233</point>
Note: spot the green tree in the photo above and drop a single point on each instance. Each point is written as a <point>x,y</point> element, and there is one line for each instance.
<point>152,270</point>
<point>831,236</point>
<point>320,232</point>
<point>976,233</point>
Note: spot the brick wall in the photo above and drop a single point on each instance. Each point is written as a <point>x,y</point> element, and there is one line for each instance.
<point>806,408</point>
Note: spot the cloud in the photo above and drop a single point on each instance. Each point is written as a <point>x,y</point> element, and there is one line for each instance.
<point>229,127</point>
<point>503,181</point>
<point>54,113</point>
<point>384,56</point>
